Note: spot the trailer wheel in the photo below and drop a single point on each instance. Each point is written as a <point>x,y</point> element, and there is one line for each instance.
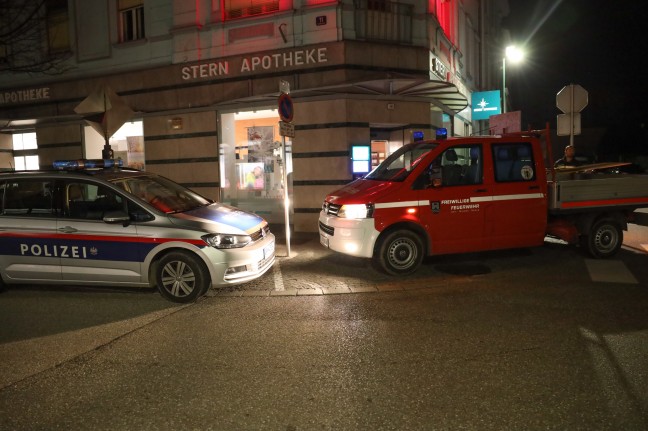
<point>181,277</point>
<point>400,252</point>
<point>604,239</point>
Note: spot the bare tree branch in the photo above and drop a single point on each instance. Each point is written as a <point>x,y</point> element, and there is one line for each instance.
<point>27,35</point>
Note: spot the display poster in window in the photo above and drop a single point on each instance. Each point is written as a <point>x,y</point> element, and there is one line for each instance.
<point>135,152</point>
<point>250,176</point>
<point>260,141</point>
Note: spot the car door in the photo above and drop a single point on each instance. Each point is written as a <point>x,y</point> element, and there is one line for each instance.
<point>517,214</point>
<point>28,248</point>
<point>92,250</point>
<point>449,207</point>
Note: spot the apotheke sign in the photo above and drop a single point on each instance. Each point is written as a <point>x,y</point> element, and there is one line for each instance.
<point>23,96</point>
<point>256,63</point>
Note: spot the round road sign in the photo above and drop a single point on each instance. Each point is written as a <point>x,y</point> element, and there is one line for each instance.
<point>285,108</point>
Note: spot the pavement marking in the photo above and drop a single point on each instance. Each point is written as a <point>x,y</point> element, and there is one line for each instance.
<point>609,271</point>
<point>278,277</point>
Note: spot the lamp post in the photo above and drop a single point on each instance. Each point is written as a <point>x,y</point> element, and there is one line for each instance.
<point>515,56</point>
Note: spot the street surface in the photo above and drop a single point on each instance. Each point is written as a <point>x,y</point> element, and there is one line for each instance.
<point>541,338</point>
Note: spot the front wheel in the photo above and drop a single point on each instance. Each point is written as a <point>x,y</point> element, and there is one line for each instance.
<point>400,252</point>
<point>604,239</point>
<point>181,277</point>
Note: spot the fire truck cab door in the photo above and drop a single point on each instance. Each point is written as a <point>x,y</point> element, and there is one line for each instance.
<point>447,188</point>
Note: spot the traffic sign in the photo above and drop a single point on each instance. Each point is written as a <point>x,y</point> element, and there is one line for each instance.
<point>565,122</point>
<point>571,98</point>
<point>285,108</point>
<point>286,129</point>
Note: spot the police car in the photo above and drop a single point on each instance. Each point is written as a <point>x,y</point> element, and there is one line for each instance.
<point>92,222</point>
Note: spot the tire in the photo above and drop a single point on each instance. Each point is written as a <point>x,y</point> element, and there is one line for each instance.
<point>605,238</point>
<point>181,277</point>
<point>400,252</point>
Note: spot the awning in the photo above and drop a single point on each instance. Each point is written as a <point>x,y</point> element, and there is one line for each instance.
<point>444,95</point>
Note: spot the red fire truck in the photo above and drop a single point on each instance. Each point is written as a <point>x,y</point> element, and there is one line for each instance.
<point>477,193</point>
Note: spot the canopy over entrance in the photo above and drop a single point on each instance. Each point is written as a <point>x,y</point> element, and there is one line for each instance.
<point>445,95</point>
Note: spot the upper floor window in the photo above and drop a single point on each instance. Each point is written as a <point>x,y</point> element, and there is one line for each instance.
<point>131,20</point>
<point>58,33</point>
<point>244,8</point>
<point>384,20</point>
<point>445,11</point>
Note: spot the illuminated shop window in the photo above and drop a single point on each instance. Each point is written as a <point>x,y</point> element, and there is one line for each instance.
<point>24,142</point>
<point>131,20</point>
<point>244,8</point>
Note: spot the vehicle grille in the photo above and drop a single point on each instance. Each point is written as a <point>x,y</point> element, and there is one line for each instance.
<point>326,229</point>
<point>260,234</point>
<point>330,209</point>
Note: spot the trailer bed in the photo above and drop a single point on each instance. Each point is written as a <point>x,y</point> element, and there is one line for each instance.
<point>574,193</point>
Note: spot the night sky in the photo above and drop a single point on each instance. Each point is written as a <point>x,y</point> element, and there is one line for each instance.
<point>601,45</point>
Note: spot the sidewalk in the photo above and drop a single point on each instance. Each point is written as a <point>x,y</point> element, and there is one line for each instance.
<point>312,269</point>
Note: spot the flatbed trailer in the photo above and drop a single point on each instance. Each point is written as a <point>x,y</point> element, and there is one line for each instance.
<point>572,193</point>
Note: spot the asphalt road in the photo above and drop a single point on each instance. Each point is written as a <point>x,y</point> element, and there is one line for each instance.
<point>539,338</point>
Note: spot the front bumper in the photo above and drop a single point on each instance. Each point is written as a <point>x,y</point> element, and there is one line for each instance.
<point>355,237</point>
<point>240,265</point>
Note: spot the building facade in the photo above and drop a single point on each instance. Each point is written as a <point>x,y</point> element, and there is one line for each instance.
<point>199,84</point>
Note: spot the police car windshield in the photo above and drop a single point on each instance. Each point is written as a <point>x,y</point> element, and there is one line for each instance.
<point>401,163</point>
<point>163,194</point>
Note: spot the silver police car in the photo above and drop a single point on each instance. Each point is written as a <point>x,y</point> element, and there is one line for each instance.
<point>94,223</point>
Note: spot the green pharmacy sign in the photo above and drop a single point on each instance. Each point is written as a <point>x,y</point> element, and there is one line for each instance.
<point>485,104</point>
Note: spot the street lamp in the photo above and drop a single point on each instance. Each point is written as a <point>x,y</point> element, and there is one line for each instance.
<point>515,56</point>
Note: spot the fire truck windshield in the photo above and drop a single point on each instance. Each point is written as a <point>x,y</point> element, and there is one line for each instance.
<point>400,163</point>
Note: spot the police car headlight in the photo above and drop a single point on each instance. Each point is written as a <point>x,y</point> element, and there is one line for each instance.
<point>223,240</point>
<point>356,211</point>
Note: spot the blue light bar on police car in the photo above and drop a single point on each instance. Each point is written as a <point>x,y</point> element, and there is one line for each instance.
<point>87,164</point>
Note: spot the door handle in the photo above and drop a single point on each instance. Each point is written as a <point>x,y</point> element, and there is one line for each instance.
<point>480,191</point>
<point>67,229</point>
<point>536,187</point>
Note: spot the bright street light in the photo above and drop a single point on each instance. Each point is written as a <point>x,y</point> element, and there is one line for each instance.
<point>515,55</point>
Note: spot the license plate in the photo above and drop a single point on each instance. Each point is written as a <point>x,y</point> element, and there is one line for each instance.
<point>268,250</point>
<point>324,241</point>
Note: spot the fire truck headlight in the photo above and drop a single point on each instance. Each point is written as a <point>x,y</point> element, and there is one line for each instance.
<point>357,211</point>
<point>221,240</point>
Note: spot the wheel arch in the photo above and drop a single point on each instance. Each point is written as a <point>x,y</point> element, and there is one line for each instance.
<point>587,220</point>
<point>158,253</point>
<point>405,225</point>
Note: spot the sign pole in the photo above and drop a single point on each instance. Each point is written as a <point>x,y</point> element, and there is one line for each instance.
<point>285,128</point>
<point>571,115</point>
<point>286,196</point>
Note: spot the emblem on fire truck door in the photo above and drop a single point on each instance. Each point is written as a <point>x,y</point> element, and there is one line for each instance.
<point>527,172</point>
<point>436,207</point>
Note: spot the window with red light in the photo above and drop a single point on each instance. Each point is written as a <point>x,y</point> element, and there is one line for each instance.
<point>445,13</point>
<point>234,9</point>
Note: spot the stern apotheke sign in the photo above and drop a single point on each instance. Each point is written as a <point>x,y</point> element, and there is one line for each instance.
<point>257,63</point>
